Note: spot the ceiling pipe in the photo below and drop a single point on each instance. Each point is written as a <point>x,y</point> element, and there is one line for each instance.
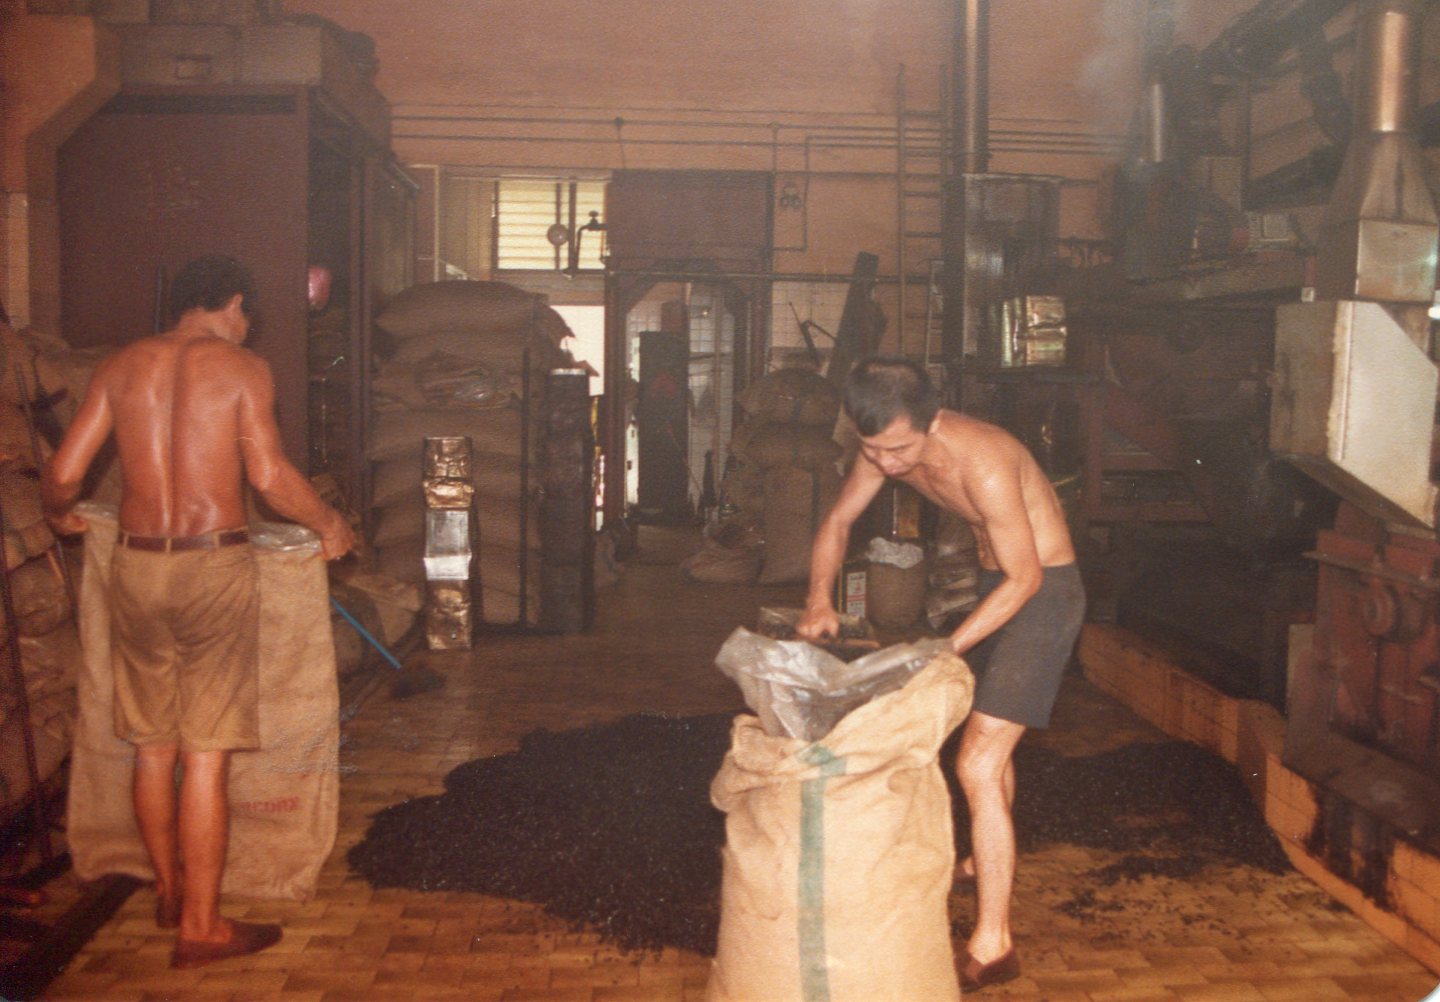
<point>972,86</point>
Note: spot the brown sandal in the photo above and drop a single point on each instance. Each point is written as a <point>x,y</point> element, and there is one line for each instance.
<point>975,975</point>
<point>245,938</point>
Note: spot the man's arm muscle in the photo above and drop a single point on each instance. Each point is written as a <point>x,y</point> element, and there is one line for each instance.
<point>63,477</point>
<point>272,474</point>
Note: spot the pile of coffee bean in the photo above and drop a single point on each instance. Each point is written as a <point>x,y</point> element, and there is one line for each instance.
<point>1172,808</point>
<point>610,827</point>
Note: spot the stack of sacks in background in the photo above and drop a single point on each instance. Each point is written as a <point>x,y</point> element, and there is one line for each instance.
<point>45,625</point>
<point>452,362</point>
<point>783,481</point>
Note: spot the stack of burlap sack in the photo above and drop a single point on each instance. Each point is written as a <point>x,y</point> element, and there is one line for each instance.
<point>783,479</point>
<point>453,362</point>
<point>44,623</point>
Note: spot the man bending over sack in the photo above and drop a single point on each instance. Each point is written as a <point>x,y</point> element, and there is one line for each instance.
<point>193,417</point>
<point>1017,640</point>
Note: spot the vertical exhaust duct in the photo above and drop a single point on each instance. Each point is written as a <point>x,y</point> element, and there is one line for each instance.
<point>972,85</point>
<point>1378,240</point>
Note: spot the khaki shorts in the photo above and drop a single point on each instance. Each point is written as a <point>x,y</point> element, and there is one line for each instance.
<point>184,637</point>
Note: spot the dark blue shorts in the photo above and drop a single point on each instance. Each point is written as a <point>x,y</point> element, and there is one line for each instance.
<point>1018,667</point>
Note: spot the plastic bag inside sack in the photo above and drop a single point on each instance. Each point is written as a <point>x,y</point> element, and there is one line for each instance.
<point>285,537</point>
<point>800,691</point>
<point>896,554</point>
<point>94,511</point>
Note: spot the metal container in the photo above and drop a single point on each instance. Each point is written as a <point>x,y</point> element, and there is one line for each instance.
<point>1354,406</point>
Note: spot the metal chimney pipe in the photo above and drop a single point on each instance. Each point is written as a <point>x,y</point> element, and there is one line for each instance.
<point>972,86</point>
<point>1389,72</point>
<point>1157,146</point>
<point>1380,234</point>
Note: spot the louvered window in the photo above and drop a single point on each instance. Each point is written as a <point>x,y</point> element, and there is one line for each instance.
<point>525,211</point>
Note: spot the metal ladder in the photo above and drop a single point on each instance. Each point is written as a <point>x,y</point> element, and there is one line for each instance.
<point>921,166</point>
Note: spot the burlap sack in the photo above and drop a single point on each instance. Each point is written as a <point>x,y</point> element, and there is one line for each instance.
<point>503,353</point>
<point>39,596</point>
<point>398,480</point>
<point>284,797</point>
<point>895,596</point>
<point>792,396</point>
<point>795,502</point>
<point>715,563</point>
<point>50,752</point>
<point>493,431</point>
<point>839,854</point>
<point>15,440</point>
<point>481,307</point>
<point>767,444</point>
<point>26,533</point>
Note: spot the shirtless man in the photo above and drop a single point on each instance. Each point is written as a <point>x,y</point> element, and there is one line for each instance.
<point>1017,640</point>
<point>192,413</point>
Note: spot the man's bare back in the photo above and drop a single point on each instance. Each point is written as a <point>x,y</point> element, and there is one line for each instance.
<point>193,418</point>
<point>176,406</point>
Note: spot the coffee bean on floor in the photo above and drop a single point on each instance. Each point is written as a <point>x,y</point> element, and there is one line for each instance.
<point>610,827</point>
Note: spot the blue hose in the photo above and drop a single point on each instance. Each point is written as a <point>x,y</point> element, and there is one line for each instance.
<point>366,634</point>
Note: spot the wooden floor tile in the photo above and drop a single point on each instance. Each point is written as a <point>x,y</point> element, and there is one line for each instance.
<point>1227,935</point>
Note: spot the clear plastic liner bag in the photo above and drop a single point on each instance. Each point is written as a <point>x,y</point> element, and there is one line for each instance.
<point>801,691</point>
<point>894,553</point>
<point>284,536</point>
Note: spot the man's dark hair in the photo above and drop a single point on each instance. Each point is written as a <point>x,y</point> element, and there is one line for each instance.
<point>881,388</point>
<point>208,283</point>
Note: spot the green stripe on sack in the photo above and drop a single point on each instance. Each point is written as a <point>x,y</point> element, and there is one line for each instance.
<point>814,969</point>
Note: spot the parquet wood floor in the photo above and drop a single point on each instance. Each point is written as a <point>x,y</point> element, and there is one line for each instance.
<point>1234,935</point>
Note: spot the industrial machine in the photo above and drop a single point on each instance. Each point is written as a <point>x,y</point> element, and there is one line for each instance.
<point>1354,405</point>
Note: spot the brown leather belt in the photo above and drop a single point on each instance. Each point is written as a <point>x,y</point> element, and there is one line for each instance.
<point>170,544</point>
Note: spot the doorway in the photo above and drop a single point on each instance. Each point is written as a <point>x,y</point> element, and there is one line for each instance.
<point>680,352</point>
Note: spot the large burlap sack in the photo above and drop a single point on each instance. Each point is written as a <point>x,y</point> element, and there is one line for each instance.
<point>730,553</point>
<point>839,854</point>
<point>398,479</point>
<point>493,431</point>
<point>39,597</point>
<point>503,354</point>
<point>50,752</point>
<point>792,396</point>
<point>51,663</point>
<point>15,441</point>
<point>478,307</point>
<point>26,533</point>
<point>766,444</point>
<point>743,488</point>
<point>284,796</point>
<point>58,373</point>
<point>795,502</point>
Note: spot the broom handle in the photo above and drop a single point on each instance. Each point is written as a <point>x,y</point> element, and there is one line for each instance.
<point>366,634</point>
